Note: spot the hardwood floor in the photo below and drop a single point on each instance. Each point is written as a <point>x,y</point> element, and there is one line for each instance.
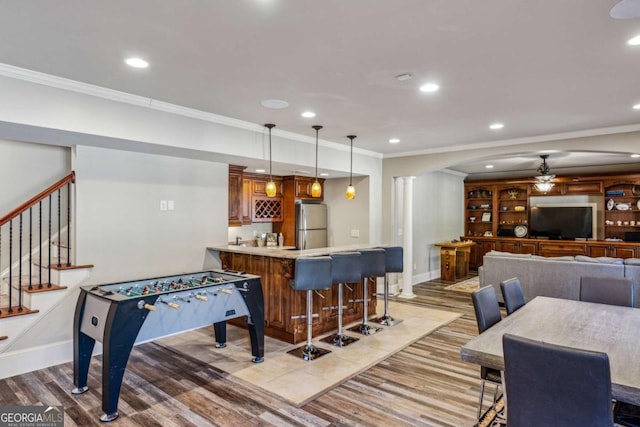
<point>426,384</point>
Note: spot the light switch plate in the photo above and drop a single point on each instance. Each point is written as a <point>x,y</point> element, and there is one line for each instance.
<point>163,205</point>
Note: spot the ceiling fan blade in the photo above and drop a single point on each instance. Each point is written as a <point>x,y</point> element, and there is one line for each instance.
<point>626,9</point>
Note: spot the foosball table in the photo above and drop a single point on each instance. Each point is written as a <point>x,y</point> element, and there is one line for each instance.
<point>120,315</point>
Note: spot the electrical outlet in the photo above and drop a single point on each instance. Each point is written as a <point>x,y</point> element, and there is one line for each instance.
<point>355,233</point>
<point>163,205</point>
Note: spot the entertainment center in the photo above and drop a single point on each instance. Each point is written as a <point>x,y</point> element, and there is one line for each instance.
<point>581,215</point>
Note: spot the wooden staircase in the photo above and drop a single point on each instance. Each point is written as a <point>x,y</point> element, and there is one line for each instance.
<point>27,267</point>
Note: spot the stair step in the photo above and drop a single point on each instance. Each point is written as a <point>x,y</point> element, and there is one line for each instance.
<point>16,311</point>
<point>46,287</point>
<point>71,267</point>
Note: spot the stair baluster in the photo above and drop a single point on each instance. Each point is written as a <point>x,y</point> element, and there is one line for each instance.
<point>59,235</point>
<point>40,240</point>
<point>19,268</point>
<point>30,246</point>
<point>68,224</point>
<point>10,263</point>
<point>49,245</point>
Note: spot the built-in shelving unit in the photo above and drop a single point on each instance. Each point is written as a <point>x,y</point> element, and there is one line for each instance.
<point>497,216</point>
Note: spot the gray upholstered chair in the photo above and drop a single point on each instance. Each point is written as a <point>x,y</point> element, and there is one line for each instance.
<point>485,305</point>
<point>393,263</point>
<point>552,385</point>
<point>311,274</point>
<point>345,268</point>
<point>607,290</point>
<point>373,265</point>
<point>512,294</point>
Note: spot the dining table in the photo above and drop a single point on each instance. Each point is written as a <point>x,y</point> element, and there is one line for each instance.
<point>610,329</point>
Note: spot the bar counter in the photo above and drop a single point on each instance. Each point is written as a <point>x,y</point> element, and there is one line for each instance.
<point>282,305</point>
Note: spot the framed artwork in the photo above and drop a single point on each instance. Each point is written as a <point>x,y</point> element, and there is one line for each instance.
<point>486,217</point>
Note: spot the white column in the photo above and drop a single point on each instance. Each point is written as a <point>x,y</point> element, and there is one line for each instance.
<point>407,238</point>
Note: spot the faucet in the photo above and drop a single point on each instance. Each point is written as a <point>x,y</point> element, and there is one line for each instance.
<point>237,240</point>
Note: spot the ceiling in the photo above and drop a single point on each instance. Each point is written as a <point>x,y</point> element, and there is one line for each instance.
<point>539,67</point>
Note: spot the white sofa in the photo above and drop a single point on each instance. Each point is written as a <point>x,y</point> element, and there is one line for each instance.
<point>557,277</point>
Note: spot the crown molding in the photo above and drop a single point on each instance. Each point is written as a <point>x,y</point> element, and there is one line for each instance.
<point>520,141</point>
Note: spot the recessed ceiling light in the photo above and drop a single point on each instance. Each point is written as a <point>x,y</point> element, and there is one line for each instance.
<point>636,107</point>
<point>489,166</point>
<point>324,174</point>
<point>276,104</point>
<point>496,126</point>
<point>136,62</point>
<point>429,87</point>
<point>308,114</point>
<point>635,41</point>
<point>394,140</point>
<point>260,170</point>
<point>635,156</point>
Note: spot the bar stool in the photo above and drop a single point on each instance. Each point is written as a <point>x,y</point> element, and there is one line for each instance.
<point>345,268</point>
<point>393,263</point>
<point>311,274</point>
<point>373,265</point>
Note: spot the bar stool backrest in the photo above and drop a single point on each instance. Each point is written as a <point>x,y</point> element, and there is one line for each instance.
<point>312,273</point>
<point>373,262</point>
<point>346,267</point>
<point>393,259</point>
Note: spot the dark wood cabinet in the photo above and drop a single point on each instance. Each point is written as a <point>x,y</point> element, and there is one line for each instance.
<point>248,200</point>
<point>235,195</point>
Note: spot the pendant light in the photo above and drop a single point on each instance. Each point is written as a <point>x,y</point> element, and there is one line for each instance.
<point>544,181</point>
<point>351,191</point>
<point>270,188</point>
<point>316,188</point>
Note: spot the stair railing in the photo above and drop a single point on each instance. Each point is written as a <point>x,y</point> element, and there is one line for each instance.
<point>43,202</point>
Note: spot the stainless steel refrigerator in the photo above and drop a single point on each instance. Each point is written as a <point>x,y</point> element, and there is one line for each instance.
<point>311,225</point>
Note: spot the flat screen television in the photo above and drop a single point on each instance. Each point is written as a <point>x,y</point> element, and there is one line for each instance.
<point>563,222</point>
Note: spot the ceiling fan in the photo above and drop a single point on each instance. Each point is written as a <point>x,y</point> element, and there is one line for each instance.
<point>626,9</point>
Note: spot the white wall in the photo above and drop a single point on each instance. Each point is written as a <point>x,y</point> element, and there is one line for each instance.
<point>347,215</point>
<point>120,228</point>
<point>26,169</point>
<point>438,216</point>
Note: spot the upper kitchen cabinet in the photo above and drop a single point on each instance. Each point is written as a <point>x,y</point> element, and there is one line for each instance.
<point>248,200</point>
<point>235,195</point>
<point>300,187</point>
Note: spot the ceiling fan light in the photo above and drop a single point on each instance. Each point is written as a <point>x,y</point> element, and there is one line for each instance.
<point>543,186</point>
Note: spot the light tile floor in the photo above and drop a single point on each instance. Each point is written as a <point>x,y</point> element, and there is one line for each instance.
<point>299,381</point>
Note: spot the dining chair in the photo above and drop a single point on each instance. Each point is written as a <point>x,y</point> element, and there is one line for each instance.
<point>552,385</point>
<point>487,309</point>
<point>607,290</point>
<point>613,291</point>
<point>512,294</point>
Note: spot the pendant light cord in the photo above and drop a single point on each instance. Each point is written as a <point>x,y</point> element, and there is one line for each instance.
<point>351,137</point>
<point>270,126</point>
<point>317,128</point>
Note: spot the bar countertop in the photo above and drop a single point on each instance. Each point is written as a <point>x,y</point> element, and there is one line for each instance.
<point>287,251</point>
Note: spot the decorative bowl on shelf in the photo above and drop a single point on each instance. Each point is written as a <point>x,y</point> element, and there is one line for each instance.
<point>472,218</point>
<point>623,206</point>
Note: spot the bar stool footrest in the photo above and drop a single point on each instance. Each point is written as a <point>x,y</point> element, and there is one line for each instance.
<point>308,352</point>
<point>386,320</point>
<point>365,329</point>
<point>339,340</point>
